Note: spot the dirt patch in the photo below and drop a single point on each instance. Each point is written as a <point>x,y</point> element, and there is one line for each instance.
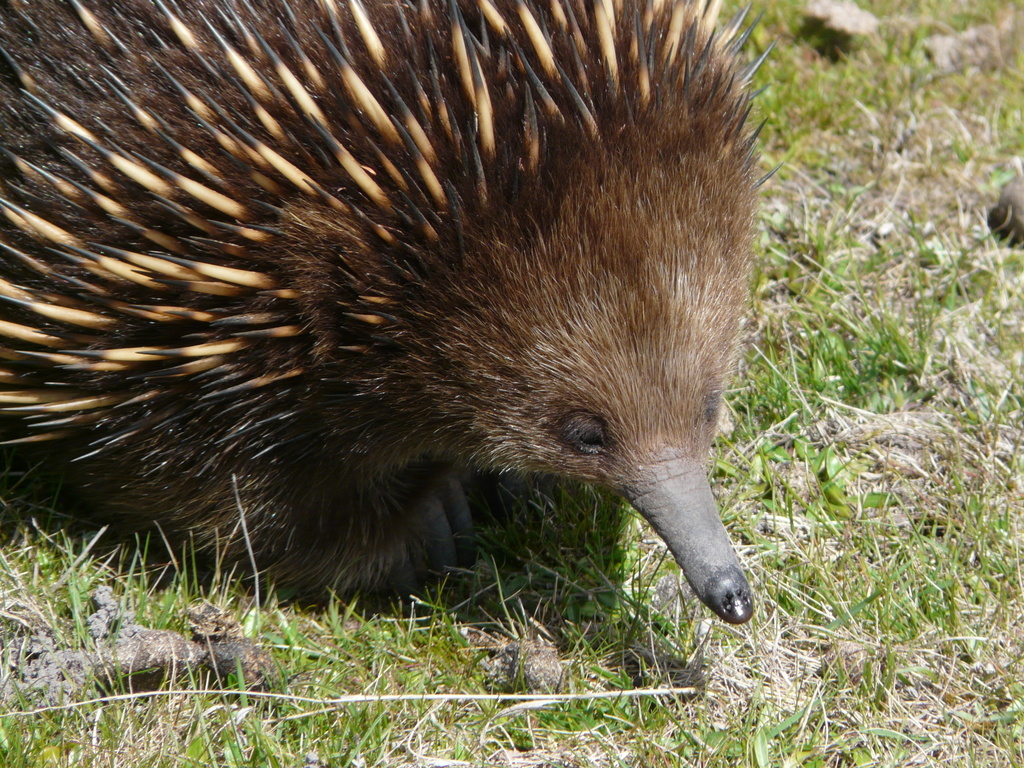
<point>38,671</point>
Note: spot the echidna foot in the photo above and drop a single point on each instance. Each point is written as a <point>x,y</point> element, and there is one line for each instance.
<point>444,535</point>
<point>449,530</point>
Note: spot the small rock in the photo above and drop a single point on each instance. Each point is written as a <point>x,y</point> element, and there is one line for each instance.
<point>885,229</point>
<point>526,665</point>
<point>977,47</point>
<point>833,25</point>
<point>1006,218</point>
<point>985,669</point>
<point>843,17</point>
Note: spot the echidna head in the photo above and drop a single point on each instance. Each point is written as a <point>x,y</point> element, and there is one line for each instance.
<point>601,347</point>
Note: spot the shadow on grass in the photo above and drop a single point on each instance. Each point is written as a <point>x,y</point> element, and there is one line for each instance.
<point>552,566</point>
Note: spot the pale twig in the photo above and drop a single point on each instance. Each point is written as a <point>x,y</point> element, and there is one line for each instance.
<point>327,705</point>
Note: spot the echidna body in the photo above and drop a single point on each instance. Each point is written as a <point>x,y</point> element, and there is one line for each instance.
<point>311,260</point>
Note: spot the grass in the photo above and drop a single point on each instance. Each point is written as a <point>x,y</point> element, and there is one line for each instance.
<point>872,473</point>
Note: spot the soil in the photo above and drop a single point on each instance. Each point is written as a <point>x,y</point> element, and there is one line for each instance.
<point>39,671</point>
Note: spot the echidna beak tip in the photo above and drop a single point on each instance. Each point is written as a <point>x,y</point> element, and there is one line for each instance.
<point>730,597</point>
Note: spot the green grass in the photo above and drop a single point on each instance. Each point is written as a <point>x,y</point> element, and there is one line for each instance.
<point>872,474</point>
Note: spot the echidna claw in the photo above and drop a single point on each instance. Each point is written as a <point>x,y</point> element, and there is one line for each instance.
<point>442,535</point>
<point>448,526</point>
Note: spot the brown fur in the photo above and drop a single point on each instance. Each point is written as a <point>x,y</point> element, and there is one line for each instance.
<point>607,281</point>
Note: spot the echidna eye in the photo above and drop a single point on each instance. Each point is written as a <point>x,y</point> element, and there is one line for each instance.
<point>584,433</point>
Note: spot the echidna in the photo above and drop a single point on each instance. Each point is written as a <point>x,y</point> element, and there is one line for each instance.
<point>302,264</point>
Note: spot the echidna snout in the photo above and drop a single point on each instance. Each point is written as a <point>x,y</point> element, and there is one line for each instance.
<point>677,502</point>
<point>304,263</point>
